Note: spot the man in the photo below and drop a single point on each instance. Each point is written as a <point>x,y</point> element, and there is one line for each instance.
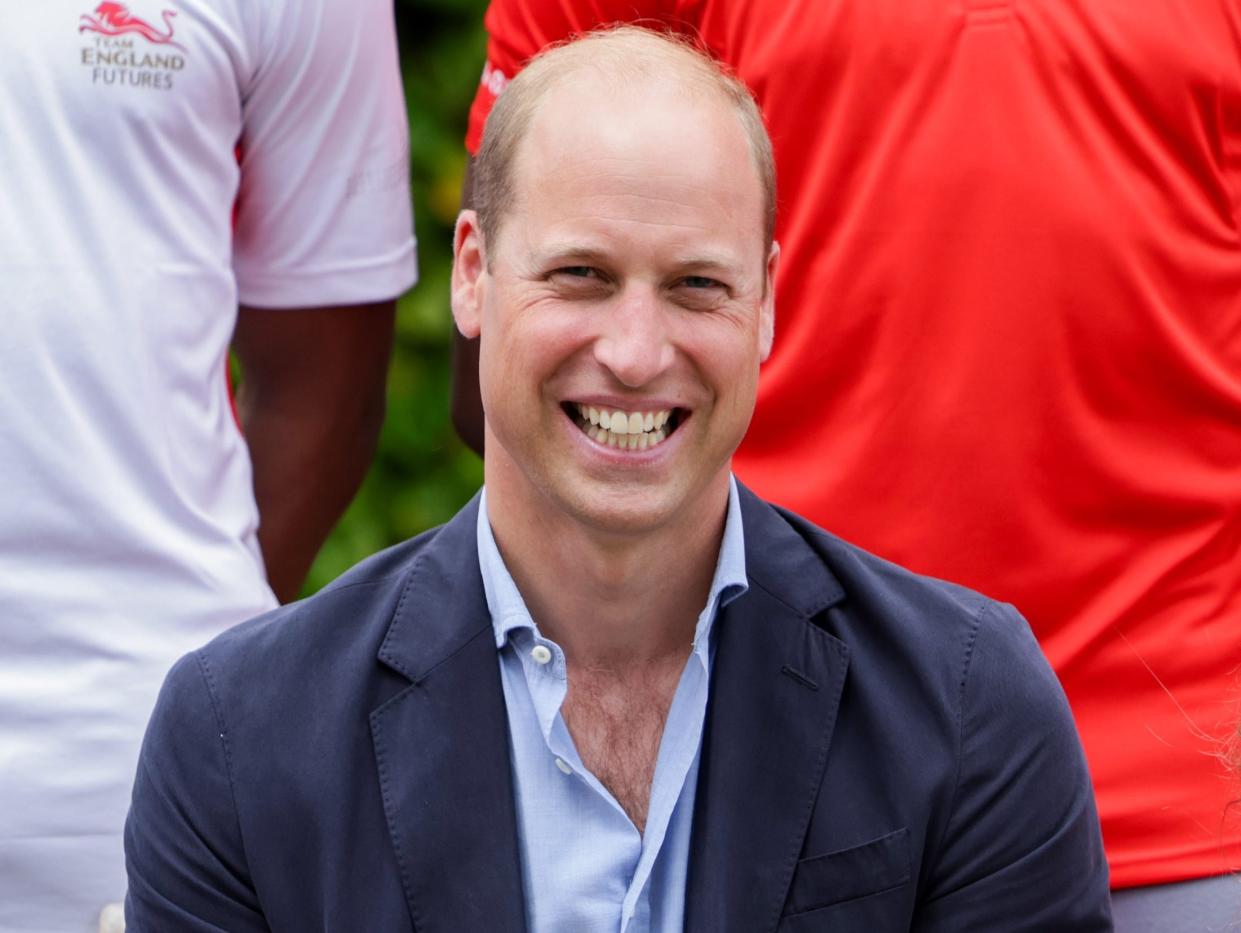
<point>618,692</point>
<point>1009,350</point>
<point>164,163</point>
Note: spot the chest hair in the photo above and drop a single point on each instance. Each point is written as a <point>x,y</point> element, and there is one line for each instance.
<point>617,719</point>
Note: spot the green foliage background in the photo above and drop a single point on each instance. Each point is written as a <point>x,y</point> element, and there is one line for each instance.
<point>422,473</point>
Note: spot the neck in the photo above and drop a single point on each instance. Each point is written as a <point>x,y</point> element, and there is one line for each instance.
<point>610,600</point>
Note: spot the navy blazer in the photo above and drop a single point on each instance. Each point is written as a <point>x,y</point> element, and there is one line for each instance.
<point>883,752</point>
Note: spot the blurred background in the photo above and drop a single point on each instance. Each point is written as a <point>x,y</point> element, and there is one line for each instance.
<point>422,473</point>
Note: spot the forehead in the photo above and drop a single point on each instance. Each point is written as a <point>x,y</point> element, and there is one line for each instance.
<point>643,155</point>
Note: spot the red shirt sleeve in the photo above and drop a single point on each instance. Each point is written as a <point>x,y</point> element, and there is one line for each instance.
<point>518,29</point>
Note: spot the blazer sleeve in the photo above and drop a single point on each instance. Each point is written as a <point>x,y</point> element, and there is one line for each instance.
<point>1022,850</point>
<point>183,846</point>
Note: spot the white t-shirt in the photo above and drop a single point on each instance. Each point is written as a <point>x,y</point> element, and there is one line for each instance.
<point>127,518</point>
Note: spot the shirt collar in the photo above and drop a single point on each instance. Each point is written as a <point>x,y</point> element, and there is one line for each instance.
<point>508,608</point>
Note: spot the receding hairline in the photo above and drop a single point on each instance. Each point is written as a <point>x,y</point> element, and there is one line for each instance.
<point>624,54</point>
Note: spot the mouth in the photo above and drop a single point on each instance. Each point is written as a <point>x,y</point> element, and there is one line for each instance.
<point>625,430</point>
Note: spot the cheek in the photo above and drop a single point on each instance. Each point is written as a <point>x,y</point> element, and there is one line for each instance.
<point>740,396</point>
<point>728,357</point>
<point>520,353</point>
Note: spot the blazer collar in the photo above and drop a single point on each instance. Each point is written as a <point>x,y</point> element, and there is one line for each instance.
<point>450,607</point>
<point>442,747</point>
<point>442,606</point>
<point>776,685</point>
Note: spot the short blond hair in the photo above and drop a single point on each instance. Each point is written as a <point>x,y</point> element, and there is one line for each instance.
<point>617,52</point>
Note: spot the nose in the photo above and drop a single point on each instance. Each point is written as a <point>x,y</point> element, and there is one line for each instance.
<point>634,343</point>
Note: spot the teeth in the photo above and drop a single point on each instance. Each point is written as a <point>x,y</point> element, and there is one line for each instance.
<point>624,430</point>
<point>625,441</point>
<point>624,422</point>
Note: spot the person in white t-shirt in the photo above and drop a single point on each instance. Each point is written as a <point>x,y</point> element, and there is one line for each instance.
<point>178,175</point>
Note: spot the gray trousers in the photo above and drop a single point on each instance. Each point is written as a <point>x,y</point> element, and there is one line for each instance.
<point>1207,905</point>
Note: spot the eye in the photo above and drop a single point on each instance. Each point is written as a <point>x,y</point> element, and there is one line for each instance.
<point>700,292</point>
<point>578,272</point>
<point>579,283</point>
<point>700,282</point>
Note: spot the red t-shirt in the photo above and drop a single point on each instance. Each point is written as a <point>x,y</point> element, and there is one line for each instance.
<point>1008,338</point>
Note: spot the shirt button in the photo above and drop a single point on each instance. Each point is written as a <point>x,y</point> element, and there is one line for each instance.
<point>560,763</point>
<point>541,654</point>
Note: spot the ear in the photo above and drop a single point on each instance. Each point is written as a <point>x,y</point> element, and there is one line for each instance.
<point>767,313</point>
<point>469,265</point>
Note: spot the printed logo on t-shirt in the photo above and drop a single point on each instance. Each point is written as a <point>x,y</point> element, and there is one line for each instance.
<point>493,79</point>
<point>128,51</point>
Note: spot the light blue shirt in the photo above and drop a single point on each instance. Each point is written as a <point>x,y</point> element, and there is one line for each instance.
<point>585,866</point>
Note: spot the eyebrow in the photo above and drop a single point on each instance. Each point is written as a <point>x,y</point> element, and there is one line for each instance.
<point>571,254</point>
<point>588,255</point>
<point>708,263</point>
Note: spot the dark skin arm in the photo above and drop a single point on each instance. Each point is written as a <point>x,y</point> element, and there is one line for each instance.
<point>311,403</point>
<point>467,403</point>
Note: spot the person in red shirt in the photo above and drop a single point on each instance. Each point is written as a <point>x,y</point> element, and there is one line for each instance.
<point>1008,344</point>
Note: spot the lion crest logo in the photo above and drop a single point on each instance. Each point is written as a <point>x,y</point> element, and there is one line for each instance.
<point>114,19</point>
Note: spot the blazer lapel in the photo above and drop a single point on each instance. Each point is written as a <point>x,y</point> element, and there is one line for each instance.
<point>775,689</point>
<point>442,747</point>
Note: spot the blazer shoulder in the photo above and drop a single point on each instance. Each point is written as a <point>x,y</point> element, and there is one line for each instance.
<point>319,650</point>
<point>886,612</point>
<point>883,587</point>
<point>363,593</point>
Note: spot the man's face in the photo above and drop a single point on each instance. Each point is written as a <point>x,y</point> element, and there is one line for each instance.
<point>624,310</point>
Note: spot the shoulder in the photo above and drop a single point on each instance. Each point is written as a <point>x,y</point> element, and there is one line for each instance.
<point>316,659</point>
<point>281,24</point>
<point>872,594</point>
<point>366,595</point>
<point>939,649</point>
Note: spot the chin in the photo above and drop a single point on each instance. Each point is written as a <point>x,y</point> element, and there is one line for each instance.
<point>620,511</point>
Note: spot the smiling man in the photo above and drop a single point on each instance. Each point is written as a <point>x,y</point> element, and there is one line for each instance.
<point>618,692</point>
